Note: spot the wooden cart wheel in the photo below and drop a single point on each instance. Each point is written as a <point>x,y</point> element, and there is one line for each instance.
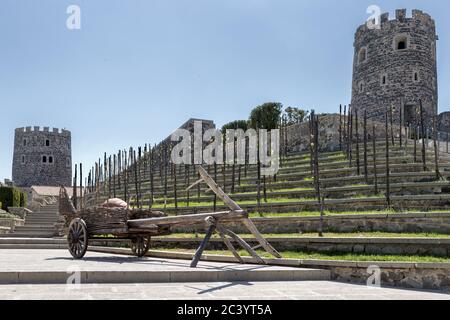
<point>77,238</point>
<point>140,245</point>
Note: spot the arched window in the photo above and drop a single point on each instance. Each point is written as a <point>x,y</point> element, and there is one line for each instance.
<point>24,142</point>
<point>44,159</point>
<point>50,159</point>
<point>47,143</point>
<point>401,42</point>
<point>362,56</point>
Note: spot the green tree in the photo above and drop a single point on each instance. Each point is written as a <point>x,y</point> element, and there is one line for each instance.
<point>266,116</point>
<point>295,115</point>
<point>237,124</point>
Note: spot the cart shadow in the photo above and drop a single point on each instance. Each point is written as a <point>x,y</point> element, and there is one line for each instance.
<point>224,286</point>
<point>155,261</point>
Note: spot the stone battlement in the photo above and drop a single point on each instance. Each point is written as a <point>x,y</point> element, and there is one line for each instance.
<point>43,129</point>
<point>401,16</point>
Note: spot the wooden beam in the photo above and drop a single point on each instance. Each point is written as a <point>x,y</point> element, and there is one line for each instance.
<point>188,219</point>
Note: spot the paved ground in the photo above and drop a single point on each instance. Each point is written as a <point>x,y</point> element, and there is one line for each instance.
<point>298,290</point>
<point>51,264</point>
<point>26,266</point>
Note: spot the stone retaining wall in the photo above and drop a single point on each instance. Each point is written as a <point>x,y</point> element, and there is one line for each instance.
<point>11,223</point>
<point>395,246</point>
<point>432,276</point>
<point>401,222</point>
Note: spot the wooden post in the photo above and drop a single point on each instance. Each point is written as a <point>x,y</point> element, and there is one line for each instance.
<point>119,158</point>
<point>345,130</point>
<point>374,155</point>
<point>81,186</point>
<point>388,191</point>
<point>151,168</point>
<point>436,151</point>
<point>74,193</point>
<point>340,127</point>
<point>258,193</point>
<point>215,179</point>
<point>401,123</point>
<point>175,187</point>
<point>447,141</point>
<point>422,126</point>
<point>139,177</point>
<point>351,137</point>
<point>391,115</point>
<point>365,148</point>
<point>201,248</point>
<point>358,164</point>
<point>136,183</point>
<point>125,183</point>
<point>317,172</point>
<point>114,176</point>
<point>416,134</point>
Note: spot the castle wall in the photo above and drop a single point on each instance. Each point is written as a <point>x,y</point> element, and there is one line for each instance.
<point>42,157</point>
<point>383,75</point>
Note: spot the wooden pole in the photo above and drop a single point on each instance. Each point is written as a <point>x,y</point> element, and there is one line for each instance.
<point>125,183</point>
<point>422,129</point>
<point>81,186</point>
<point>365,147</point>
<point>374,155</point>
<point>175,187</point>
<point>340,127</point>
<point>436,151</point>
<point>358,164</point>
<point>317,172</point>
<point>351,137</point>
<point>74,193</point>
<point>401,123</point>
<point>258,193</point>
<point>114,176</point>
<point>391,116</point>
<point>388,196</point>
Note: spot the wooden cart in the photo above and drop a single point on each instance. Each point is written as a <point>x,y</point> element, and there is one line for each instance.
<point>140,225</point>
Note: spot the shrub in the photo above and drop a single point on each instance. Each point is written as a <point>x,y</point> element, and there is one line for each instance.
<point>9,197</point>
<point>23,199</point>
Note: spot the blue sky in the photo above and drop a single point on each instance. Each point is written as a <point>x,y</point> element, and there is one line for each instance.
<point>137,69</point>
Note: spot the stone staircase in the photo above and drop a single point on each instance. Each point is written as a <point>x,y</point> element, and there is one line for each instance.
<point>38,224</point>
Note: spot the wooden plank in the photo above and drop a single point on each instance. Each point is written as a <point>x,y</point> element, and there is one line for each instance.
<point>186,219</point>
<point>201,248</point>
<point>220,230</point>
<point>244,245</point>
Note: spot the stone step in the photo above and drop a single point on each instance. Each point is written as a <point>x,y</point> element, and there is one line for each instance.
<point>33,246</point>
<point>49,241</point>
<point>40,228</point>
<point>29,235</point>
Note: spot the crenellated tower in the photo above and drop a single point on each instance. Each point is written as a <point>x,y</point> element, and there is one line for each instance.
<point>395,65</point>
<point>42,157</point>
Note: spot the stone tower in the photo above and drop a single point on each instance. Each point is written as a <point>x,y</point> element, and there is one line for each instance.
<point>395,65</point>
<point>42,157</point>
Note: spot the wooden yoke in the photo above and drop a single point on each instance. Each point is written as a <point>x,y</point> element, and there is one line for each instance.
<point>214,225</point>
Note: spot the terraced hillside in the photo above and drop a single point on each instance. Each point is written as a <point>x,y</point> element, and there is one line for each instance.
<point>285,207</point>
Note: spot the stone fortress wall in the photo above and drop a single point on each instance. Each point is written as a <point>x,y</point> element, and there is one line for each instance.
<point>42,157</point>
<point>396,66</point>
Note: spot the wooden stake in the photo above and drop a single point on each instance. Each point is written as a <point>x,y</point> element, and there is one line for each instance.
<point>374,155</point>
<point>388,196</point>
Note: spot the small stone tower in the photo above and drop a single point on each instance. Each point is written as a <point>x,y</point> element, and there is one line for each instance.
<point>42,157</point>
<point>395,65</point>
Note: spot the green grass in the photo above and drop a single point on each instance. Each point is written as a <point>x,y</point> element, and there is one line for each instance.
<point>331,256</point>
<point>326,235</point>
<point>334,213</point>
<point>8,216</point>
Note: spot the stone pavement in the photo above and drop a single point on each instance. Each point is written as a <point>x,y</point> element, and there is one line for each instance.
<point>291,290</point>
<point>24,266</point>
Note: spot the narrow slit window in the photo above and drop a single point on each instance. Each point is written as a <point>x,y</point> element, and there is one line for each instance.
<point>50,159</point>
<point>23,159</point>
